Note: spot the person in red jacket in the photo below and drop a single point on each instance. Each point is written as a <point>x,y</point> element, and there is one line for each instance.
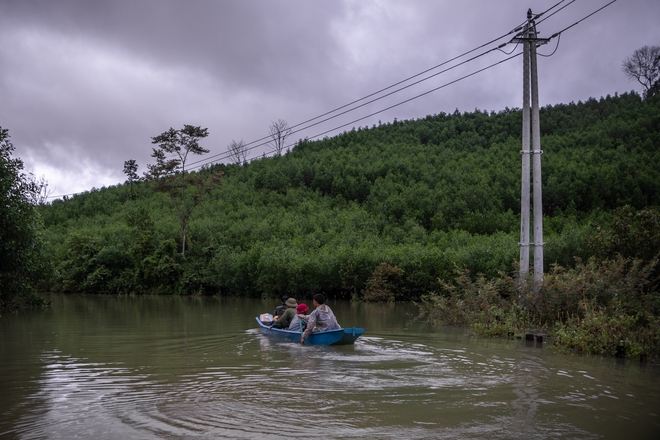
<point>300,320</point>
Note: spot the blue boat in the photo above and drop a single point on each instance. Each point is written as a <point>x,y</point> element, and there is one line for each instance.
<point>342,336</point>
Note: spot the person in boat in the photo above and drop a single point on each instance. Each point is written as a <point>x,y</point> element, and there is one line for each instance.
<point>299,321</point>
<point>285,318</point>
<point>320,319</point>
<point>279,310</point>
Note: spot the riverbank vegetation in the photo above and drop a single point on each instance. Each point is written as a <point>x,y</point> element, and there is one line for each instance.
<point>21,248</point>
<point>390,213</point>
<point>609,304</point>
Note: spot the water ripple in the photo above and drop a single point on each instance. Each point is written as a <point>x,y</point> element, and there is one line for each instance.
<point>251,386</point>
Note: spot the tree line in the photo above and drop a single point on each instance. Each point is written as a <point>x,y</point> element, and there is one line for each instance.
<point>423,196</point>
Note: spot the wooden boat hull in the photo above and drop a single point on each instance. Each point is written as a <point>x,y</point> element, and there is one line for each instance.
<point>343,336</point>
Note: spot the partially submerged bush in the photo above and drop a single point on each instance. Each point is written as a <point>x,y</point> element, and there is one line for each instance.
<point>630,233</point>
<point>608,307</point>
<point>621,284</point>
<point>602,331</point>
<point>381,285</point>
<point>491,305</point>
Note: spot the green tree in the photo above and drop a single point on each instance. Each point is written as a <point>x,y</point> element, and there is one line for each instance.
<point>130,169</point>
<point>185,189</point>
<point>21,260</point>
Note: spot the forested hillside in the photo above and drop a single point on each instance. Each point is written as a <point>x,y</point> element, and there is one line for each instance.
<point>424,196</point>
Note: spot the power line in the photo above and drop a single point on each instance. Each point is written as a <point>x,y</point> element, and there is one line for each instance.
<point>393,106</point>
<point>560,9</point>
<point>368,102</point>
<point>553,52</point>
<point>225,154</point>
<point>409,78</point>
<point>557,34</point>
<point>267,138</point>
<point>582,19</point>
<point>64,195</point>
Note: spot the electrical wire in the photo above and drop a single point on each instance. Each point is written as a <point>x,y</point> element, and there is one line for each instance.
<point>225,155</point>
<point>557,34</point>
<point>268,138</point>
<point>560,9</point>
<point>553,52</point>
<point>582,19</point>
<point>368,102</point>
<point>512,50</point>
<point>516,29</point>
<point>390,107</point>
<point>411,77</point>
<point>63,195</point>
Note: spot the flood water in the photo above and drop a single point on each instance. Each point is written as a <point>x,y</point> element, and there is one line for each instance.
<point>106,367</point>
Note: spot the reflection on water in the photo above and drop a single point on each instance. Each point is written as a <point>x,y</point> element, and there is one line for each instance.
<point>179,368</point>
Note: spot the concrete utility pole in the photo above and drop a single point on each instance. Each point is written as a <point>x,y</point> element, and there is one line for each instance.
<point>525,152</point>
<point>529,38</point>
<point>536,167</point>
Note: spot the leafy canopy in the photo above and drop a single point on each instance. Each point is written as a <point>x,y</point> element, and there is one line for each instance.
<point>21,259</point>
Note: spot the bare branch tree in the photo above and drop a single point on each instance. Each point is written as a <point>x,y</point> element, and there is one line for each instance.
<point>644,66</point>
<point>38,192</point>
<point>279,131</point>
<point>237,152</point>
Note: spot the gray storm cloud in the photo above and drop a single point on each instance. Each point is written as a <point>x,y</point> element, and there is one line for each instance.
<point>85,85</point>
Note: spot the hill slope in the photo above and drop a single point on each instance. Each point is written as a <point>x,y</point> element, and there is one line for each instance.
<point>427,196</point>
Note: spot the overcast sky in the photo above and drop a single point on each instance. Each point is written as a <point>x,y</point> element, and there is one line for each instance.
<point>84,85</point>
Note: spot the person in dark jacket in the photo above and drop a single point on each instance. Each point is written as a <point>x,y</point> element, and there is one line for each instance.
<point>279,310</point>
<point>285,319</point>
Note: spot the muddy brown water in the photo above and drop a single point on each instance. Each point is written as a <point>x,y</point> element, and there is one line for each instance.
<point>106,367</point>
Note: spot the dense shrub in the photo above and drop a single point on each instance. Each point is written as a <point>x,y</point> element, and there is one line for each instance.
<point>382,284</point>
<point>597,307</point>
